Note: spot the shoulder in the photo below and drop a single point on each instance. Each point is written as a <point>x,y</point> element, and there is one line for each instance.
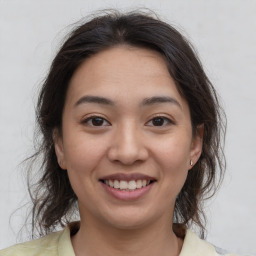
<point>44,246</point>
<point>55,244</point>
<point>194,246</point>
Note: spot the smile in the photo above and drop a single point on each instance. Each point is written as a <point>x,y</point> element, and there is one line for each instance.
<point>124,185</point>
<point>127,187</point>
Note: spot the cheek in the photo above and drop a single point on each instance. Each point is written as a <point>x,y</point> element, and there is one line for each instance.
<point>174,153</point>
<point>83,153</point>
<point>173,158</point>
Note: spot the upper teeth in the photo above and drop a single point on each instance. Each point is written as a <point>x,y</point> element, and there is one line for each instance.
<point>123,184</point>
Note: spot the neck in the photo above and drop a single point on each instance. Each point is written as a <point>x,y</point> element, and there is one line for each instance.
<point>98,238</point>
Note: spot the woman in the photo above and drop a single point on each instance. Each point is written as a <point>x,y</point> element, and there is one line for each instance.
<point>132,133</point>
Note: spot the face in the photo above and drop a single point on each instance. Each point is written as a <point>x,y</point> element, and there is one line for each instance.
<point>126,138</point>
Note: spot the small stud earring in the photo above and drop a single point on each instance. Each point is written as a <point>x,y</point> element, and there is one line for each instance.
<point>191,162</point>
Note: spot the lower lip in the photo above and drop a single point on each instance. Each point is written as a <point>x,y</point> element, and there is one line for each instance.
<point>127,195</point>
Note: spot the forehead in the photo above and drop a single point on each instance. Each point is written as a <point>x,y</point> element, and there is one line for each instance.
<point>123,71</point>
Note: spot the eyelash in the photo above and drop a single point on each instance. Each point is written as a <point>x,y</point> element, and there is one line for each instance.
<point>167,121</point>
<point>88,121</point>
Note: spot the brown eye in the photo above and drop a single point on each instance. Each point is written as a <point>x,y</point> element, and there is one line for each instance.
<point>159,121</point>
<point>96,121</point>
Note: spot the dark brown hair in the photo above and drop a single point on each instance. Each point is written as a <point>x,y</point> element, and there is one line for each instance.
<point>54,201</point>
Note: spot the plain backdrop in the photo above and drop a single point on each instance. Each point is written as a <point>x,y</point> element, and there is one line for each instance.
<point>224,34</point>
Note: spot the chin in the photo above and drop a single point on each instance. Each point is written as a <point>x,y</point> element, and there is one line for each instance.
<point>127,224</point>
<point>130,219</point>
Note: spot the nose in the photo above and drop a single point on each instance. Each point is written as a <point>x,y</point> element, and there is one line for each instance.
<point>128,146</point>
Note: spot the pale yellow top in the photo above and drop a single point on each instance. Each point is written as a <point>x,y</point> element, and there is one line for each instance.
<point>59,244</point>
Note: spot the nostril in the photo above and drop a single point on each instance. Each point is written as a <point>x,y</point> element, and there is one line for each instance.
<point>127,150</point>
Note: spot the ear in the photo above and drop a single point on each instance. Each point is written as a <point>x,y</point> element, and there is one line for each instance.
<point>58,145</point>
<point>196,145</point>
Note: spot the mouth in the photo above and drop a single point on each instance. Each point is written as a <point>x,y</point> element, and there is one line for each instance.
<point>127,182</point>
<point>124,185</point>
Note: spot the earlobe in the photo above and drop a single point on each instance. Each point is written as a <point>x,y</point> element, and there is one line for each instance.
<point>196,145</point>
<point>58,145</point>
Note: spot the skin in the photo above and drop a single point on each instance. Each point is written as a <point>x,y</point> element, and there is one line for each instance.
<point>132,137</point>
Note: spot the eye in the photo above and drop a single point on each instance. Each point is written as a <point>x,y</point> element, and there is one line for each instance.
<point>96,121</point>
<point>159,121</point>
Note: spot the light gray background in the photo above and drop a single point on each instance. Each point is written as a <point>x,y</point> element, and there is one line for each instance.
<point>223,32</point>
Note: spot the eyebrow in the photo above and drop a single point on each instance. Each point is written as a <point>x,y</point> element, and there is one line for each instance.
<point>146,102</point>
<point>160,99</point>
<point>94,99</point>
